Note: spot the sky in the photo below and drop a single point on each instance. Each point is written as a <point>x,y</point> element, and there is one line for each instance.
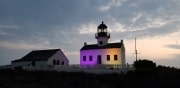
<point>27,25</point>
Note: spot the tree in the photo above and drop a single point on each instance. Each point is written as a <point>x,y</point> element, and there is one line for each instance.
<point>144,64</point>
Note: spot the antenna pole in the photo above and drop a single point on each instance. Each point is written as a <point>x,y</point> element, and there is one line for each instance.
<point>135,49</point>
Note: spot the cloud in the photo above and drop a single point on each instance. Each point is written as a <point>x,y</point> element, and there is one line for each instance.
<point>136,18</point>
<point>88,28</point>
<point>3,33</point>
<point>173,62</point>
<point>117,27</point>
<point>67,14</point>
<point>110,4</point>
<point>25,45</point>
<point>151,30</point>
<point>8,27</point>
<point>71,53</point>
<point>5,28</point>
<point>173,46</point>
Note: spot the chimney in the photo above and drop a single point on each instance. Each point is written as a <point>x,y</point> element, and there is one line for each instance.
<point>122,41</point>
<point>85,43</point>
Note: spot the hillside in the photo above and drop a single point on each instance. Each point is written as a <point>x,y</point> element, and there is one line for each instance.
<point>162,77</point>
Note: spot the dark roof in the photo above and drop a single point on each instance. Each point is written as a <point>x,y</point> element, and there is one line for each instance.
<point>102,26</point>
<point>95,46</point>
<point>38,55</point>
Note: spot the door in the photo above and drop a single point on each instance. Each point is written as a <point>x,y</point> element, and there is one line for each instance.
<point>99,59</point>
<point>33,63</point>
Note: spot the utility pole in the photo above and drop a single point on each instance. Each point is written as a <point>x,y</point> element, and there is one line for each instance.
<point>136,52</point>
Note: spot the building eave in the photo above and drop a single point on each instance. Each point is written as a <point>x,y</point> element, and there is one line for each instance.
<point>95,46</point>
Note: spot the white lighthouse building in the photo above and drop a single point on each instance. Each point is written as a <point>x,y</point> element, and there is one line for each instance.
<point>102,53</point>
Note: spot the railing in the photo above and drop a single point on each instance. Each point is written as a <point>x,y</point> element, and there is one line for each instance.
<point>102,34</point>
<point>109,66</point>
<point>77,66</point>
<point>97,69</point>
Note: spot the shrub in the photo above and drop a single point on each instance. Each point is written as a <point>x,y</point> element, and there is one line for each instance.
<point>144,64</point>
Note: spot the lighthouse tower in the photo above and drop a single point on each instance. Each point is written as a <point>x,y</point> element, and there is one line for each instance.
<point>102,35</point>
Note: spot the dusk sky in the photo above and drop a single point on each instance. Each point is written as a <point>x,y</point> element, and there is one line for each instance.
<point>27,25</point>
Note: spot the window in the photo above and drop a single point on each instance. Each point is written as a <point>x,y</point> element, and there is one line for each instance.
<point>57,62</point>
<point>33,63</point>
<point>99,30</point>
<point>100,42</point>
<point>54,62</point>
<point>108,57</point>
<point>115,57</point>
<point>84,58</point>
<point>90,58</point>
<point>103,30</point>
<point>62,63</point>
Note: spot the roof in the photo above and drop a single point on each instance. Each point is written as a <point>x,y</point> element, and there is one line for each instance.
<point>38,55</point>
<point>96,46</point>
<point>102,26</point>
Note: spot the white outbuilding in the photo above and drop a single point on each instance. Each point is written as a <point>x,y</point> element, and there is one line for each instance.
<point>42,58</point>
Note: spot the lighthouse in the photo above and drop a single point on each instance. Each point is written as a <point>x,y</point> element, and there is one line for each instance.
<point>103,53</point>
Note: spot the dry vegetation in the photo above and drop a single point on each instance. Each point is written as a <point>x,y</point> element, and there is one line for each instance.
<point>159,77</point>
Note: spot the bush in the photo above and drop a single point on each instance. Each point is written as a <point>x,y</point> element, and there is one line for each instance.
<point>144,64</point>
